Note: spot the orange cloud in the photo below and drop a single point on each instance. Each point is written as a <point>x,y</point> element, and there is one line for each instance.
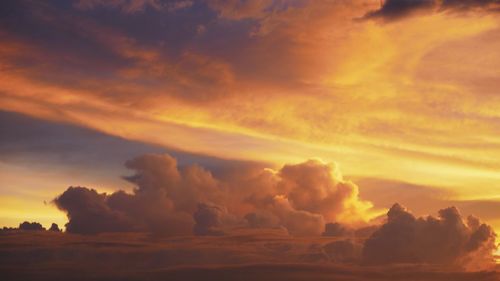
<point>301,198</point>
<point>405,100</point>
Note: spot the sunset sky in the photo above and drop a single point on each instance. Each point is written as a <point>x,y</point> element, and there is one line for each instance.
<point>399,98</point>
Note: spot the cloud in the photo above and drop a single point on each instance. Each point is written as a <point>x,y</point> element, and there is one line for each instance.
<point>399,8</point>
<point>466,4</point>
<point>172,199</point>
<point>343,251</point>
<point>54,227</point>
<point>208,219</point>
<point>241,9</point>
<point>245,255</point>
<point>336,229</point>
<point>317,187</point>
<point>446,240</point>
<point>393,9</point>
<point>297,221</point>
<point>88,212</point>
<point>31,226</point>
<point>135,6</point>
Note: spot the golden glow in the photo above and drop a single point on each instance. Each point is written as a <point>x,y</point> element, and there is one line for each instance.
<point>394,100</point>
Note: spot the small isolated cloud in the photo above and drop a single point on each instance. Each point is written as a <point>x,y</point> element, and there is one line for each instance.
<point>54,227</point>
<point>31,226</point>
<point>447,240</point>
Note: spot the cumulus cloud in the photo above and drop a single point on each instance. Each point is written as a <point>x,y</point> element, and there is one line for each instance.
<point>177,200</point>
<point>54,227</point>
<point>31,226</point>
<point>447,240</point>
<point>88,212</point>
<point>209,219</point>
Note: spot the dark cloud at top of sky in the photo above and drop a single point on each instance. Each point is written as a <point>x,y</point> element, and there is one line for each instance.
<point>393,9</point>
<point>398,8</point>
<point>192,53</point>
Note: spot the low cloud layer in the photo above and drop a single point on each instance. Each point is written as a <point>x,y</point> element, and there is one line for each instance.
<point>447,240</point>
<point>177,200</point>
<point>245,255</point>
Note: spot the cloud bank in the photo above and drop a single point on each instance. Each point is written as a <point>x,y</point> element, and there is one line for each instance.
<point>306,199</point>
<point>177,200</point>
<point>246,255</point>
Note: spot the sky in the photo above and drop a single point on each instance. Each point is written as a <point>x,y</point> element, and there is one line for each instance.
<point>321,111</point>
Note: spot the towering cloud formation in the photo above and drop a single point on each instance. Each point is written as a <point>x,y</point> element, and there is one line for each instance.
<point>444,240</point>
<point>177,200</point>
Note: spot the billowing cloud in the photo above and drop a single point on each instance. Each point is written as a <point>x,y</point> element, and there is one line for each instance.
<point>208,219</point>
<point>31,226</point>
<point>174,199</point>
<point>89,213</point>
<point>447,240</point>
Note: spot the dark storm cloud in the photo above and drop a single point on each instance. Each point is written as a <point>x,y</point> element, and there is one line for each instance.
<point>392,9</point>
<point>446,240</point>
<point>398,8</point>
